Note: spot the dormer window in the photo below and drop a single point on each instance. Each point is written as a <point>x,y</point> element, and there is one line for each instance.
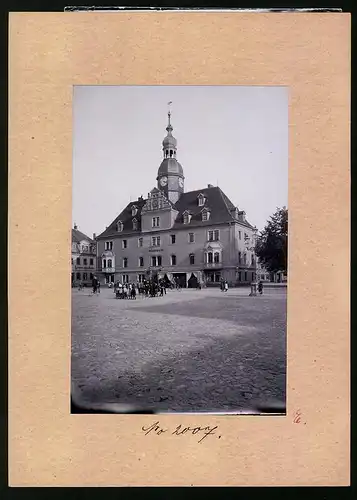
<point>135,224</point>
<point>134,211</point>
<point>120,226</point>
<point>201,200</point>
<point>186,217</point>
<point>205,214</point>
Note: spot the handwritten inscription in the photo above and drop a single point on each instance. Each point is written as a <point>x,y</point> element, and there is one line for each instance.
<point>201,432</point>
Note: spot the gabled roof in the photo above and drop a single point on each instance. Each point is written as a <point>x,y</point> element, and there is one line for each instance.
<point>78,236</point>
<point>221,211</point>
<point>127,220</point>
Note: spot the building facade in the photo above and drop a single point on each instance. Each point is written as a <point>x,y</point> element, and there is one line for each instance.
<point>83,258</point>
<point>183,236</point>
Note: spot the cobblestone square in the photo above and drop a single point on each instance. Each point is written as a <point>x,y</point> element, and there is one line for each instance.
<point>188,351</point>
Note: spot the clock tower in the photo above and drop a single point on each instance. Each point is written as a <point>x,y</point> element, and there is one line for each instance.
<point>170,178</point>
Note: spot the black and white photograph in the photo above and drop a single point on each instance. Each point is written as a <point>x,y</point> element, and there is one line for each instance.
<point>179,246</point>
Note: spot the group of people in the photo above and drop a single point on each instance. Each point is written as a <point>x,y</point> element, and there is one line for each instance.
<point>95,285</point>
<point>224,285</point>
<point>143,289</point>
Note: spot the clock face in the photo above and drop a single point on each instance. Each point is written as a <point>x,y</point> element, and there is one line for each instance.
<point>163,181</point>
<point>181,182</point>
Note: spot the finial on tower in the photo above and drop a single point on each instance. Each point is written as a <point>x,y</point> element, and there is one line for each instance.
<point>169,126</point>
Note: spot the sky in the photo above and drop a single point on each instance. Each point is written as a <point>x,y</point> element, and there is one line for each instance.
<point>231,136</point>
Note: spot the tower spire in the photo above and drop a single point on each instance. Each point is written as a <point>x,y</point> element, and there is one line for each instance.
<point>169,126</point>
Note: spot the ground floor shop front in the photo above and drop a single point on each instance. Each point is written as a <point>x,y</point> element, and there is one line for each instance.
<point>183,278</point>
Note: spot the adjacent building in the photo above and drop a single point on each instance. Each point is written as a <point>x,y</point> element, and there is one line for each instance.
<point>184,236</point>
<point>83,258</point>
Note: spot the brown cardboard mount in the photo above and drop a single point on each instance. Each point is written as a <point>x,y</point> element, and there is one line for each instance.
<point>51,52</point>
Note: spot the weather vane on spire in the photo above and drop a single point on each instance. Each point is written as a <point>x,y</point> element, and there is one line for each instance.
<point>169,114</point>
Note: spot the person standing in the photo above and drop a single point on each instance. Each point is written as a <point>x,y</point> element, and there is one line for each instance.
<point>226,286</point>
<point>98,286</point>
<point>94,285</point>
<point>260,288</point>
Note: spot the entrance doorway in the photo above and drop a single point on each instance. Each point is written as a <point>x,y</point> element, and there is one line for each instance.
<point>193,281</point>
<point>180,278</point>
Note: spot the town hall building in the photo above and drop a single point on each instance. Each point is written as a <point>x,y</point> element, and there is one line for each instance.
<point>187,237</point>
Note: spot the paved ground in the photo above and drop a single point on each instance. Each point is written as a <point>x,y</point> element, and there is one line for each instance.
<point>188,351</point>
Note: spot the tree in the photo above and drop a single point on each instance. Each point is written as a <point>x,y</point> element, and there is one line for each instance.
<point>272,243</point>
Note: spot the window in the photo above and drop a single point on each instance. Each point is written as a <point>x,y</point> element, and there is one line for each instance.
<point>201,200</point>
<point>84,262</point>
<point>252,260</point>
<point>109,245</point>
<point>153,261</point>
<point>109,262</point>
<point>104,263</point>
<point>141,278</point>
<point>240,234</point>
<point>209,257</point>
<point>210,235</point>
<point>239,257</point>
<point>245,276</point>
<point>216,257</point>
<point>85,277</point>
<point>186,218</point>
<point>239,276</point>
<point>120,226</point>
<point>244,258</point>
<point>78,261</point>
<point>156,261</point>
<point>173,239</point>
<point>156,222</point>
<point>217,277</point>
<point>159,260</point>
<point>192,259</point>
<point>78,276</point>
<point>124,243</point>
<point>156,241</point>
<point>141,261</point>
<point>125,278</point>
<point>140,242</point>
<point>91,276</point>
<point>173,260</point>
<point>125,262</point>
<point>134,210</point>
<point>135,224</point>
<point>205,215</point>
<point>91,262</point>
<point>216,235</point>
<point>191,237</point>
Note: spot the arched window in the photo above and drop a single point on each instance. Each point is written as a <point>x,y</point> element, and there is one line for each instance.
<point>216,257</point>
<point>170,153</point>
<point>209,257</point>
<point>119,226</point>
<point>104,263</point>
<point>135,224</point>
<point>109,262</point>
<point>245,258</point>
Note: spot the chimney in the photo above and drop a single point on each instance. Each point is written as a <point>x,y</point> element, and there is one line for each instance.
<point>75,226</point>
<point>210,185</point>
<point>94,236</point>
